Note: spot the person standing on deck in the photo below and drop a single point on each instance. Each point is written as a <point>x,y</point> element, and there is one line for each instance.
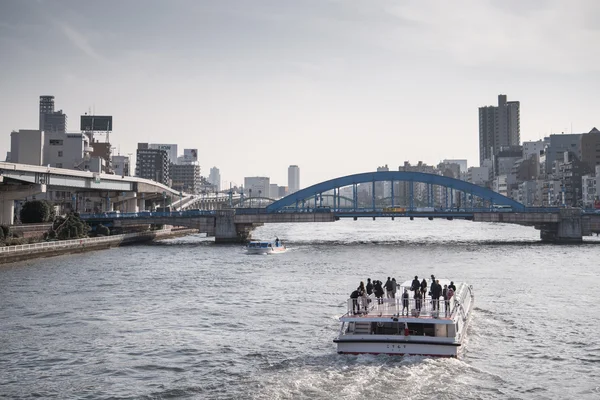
<point>423,288</point>
<point>451,286</point>
<point>405,301</point>
<point>449,296</point>
<point>378,289</point>
<point>418,302</point>
<point>388,288</point>
<point>445,297</point>
<point>432,284</point>
<point>394,288</point>
<point>415,286</point>
<point>362,293</point>
<point>369,289</point>
<point>354,297</point>
<point>436,291</point>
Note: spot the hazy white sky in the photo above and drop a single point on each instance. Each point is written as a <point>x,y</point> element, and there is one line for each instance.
<point>336,87</point>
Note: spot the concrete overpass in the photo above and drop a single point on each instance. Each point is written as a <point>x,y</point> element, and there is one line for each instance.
<point>20,181</point>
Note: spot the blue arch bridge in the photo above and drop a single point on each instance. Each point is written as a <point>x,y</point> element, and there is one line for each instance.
<point>407,195</point>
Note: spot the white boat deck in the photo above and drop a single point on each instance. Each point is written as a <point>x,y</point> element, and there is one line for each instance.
<point>371,307</point>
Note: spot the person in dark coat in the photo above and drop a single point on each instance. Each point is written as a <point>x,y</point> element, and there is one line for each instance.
<point>451,285</point>
<point>436,292</point>
<point>432,284</point>
<point>423,288</point>
<point>415,286</point>
<point>378,290</point>
<point>369,287</point>
<point>389,287</point>
<point>354,297</point>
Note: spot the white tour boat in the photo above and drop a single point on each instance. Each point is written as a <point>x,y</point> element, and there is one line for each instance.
<point>265,247</point>
<point>390,326</point>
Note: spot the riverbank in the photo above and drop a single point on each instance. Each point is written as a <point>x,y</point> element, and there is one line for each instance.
<point>10,254</point>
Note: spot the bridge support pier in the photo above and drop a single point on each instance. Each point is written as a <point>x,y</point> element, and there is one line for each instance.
<point>567,230</point>
<point>227,231</point>
<point>12,193</point>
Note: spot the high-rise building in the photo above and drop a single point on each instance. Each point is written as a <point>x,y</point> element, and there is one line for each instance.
<point>293,179</point>
<point>50,120</point>
<point>152,164</point>
<point>185,177</point>
<point>215,178</point>
<point>499,126</point>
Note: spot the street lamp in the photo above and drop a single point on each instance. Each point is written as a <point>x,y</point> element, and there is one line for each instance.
<point>250,195</point>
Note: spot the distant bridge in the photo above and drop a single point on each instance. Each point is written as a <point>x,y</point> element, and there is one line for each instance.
<point>446,198</point>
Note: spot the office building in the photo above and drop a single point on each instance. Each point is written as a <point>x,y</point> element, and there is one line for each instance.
<point>170,149</point>
<point>590,188</point>
<point>152,164</point>
<point>27,147</point>
<point>569,171</point>
<point>293,179</point>
<point>462,163</point>
<point>557,145</point>
<point>499,126</point>
<point>535,147</point>
<point>50,120</point>
<point>121,165</point>
<point>257,186</point>
<point>215,178</point>
<point>185,177</point>
<point>479,175</point>
<point>590,148</point>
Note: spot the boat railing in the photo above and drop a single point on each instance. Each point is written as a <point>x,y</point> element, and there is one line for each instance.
<point>426,307</point>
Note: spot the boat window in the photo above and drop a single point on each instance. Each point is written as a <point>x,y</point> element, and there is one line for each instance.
<point>350,327</point>
<point>422,329</point>
<point>263,245</point>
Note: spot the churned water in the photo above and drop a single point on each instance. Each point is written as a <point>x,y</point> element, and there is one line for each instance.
<point>184,318</point>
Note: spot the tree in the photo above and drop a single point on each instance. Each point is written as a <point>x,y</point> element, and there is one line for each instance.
<point>37,211</point>
<point>102,230</point>
<point>69,227</point>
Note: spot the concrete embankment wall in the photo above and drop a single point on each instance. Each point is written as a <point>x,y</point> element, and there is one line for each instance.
<point>48,249</point>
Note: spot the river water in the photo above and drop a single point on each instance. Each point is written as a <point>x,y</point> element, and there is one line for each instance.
<point>184,318</point>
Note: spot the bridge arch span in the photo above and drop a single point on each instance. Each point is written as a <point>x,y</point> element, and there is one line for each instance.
<point>395,176</point>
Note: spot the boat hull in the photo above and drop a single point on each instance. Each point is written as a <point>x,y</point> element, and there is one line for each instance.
<point>266,251</point>
<point>399,348</point>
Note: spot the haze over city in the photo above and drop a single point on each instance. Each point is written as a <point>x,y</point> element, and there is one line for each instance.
<point>334,87</point>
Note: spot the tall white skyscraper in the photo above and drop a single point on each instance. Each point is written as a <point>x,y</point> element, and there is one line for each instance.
<point>215,178</point>
<point>293,179</point>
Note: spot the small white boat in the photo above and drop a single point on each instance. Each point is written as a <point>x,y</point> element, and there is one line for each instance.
<point>265,247</point>
<point>406,326</point>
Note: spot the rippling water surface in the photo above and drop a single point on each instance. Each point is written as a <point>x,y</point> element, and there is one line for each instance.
<point>184,318</point>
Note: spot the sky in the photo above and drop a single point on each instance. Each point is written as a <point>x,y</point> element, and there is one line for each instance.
<point>336,87</point>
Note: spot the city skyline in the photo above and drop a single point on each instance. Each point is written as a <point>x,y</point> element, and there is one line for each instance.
<point>342,87</point>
